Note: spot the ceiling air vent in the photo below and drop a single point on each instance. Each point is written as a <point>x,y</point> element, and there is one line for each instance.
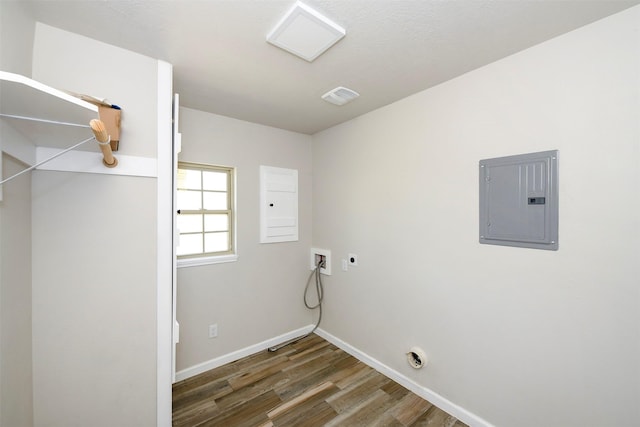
<point>340,95</point>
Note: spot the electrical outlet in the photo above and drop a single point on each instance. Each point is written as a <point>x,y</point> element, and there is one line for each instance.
<point>353,260</point>
<point>213,330</point>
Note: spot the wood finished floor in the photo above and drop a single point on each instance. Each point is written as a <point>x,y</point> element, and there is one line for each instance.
<point>309,383</point>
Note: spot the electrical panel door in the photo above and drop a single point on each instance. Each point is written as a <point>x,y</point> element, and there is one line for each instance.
<point>278,204</point>
<point>519,200</point>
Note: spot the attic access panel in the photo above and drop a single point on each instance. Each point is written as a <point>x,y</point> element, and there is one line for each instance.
<point>519,200</point>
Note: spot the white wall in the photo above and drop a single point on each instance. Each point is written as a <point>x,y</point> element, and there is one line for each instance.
<point>93,300</point>
<point>67,61</point>
<point>259,296</point>
<point>16,38</point>
<point>519,337</point>
<point>16,403</point>
<point>94,252</point>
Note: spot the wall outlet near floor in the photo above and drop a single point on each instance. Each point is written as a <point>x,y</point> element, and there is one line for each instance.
<point>213,330</point>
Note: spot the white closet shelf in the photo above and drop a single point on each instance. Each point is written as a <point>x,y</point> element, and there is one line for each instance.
<point>25,97</point>
<point>39,143</point>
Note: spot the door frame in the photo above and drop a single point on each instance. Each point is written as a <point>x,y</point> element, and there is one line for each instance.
<point>164,245</point>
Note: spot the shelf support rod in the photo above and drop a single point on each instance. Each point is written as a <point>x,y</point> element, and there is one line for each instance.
<point>46,160</point>
<point>35,119</point>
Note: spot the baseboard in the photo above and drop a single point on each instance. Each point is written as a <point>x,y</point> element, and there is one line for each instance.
<point>427,394</point>
<point>239,354</point>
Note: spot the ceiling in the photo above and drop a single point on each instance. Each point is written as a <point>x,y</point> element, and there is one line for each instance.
<point>392,49</point>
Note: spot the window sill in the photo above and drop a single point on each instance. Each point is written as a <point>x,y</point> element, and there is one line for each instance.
<point>195,262</point>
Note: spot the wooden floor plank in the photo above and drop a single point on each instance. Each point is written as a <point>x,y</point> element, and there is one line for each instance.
<point>300,399</point>
<point>195,413</point>
<point>409,409</point>
<point>306,415</point>
<point>212,390</point>
<point>435,417</point>
<point>258,372</point>
<point>358,392</point>
<point>307,383</point>
<point>312,362</point>
<point>300,383</point>
<point>319,346</point>
<point>250,413</point>
<point>395,390</point>
<point>231,400</point>
<point>358,372</point>
<point>364,412</point>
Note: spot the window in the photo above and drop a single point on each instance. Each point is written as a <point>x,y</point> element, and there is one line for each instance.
<point>205,203</point>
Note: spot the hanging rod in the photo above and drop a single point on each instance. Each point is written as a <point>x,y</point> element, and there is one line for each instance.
<point>104,142</point>
<point>34,119</point>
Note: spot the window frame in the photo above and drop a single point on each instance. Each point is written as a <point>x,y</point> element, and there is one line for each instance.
<point>204,258</point>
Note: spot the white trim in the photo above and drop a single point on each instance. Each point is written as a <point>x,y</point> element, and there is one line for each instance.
<point>424,392</point>
<point>239,354</point>
<point>164,261</point>
<point>176,147</point>
<point>90,162</point>
<point>195,262</point>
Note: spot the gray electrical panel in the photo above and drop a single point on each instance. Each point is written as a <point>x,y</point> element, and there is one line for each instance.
<point>519,200</point>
